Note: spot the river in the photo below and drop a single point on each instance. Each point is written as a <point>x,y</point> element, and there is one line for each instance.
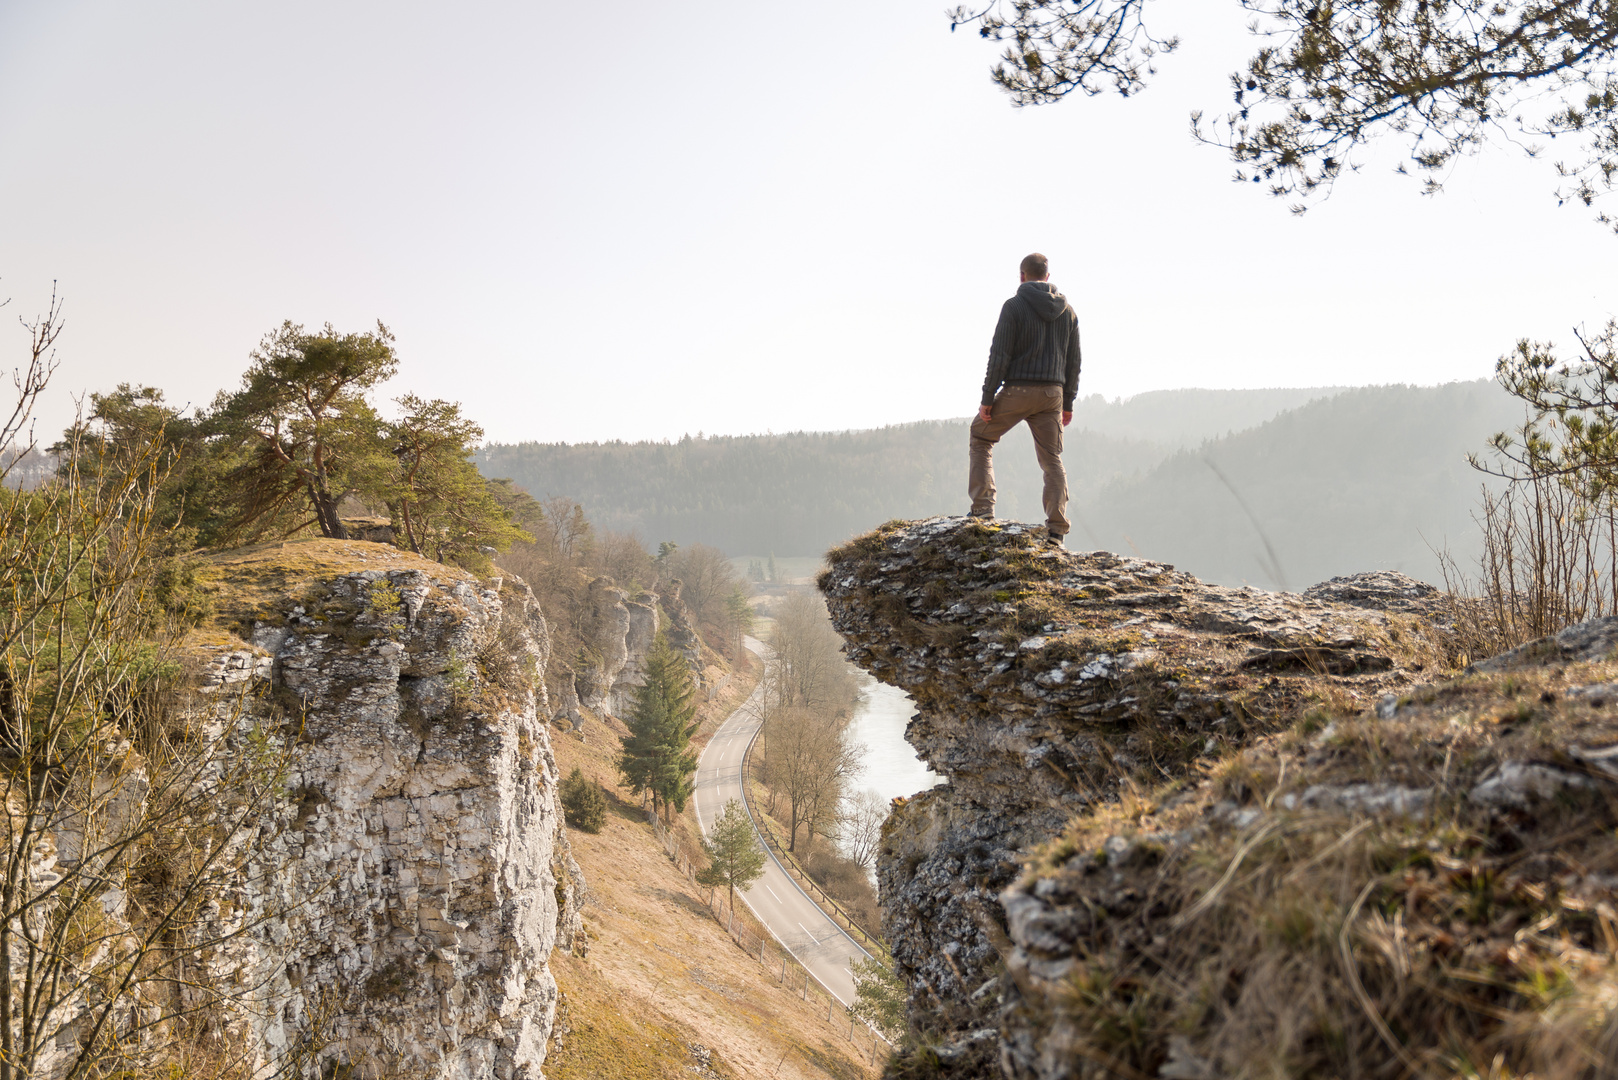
<point>891,766</point>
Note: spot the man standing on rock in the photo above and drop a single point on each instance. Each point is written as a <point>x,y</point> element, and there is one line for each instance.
<point>1033,376</point>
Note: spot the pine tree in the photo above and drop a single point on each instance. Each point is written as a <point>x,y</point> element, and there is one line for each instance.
<point>310,432</point>
<point>441,504</point>
<point>734,858</point>
<point>657,757</point>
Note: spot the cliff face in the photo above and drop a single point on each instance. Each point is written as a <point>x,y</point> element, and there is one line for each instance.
<point>1046,679</point>
<point>618,634</point>
<point>1199,832</point>
<point>422,877</point>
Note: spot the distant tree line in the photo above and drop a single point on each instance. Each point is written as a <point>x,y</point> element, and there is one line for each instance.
<point>794,494</point>
<point>1372,478</point>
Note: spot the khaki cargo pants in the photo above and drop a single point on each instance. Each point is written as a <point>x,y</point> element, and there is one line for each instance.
<point>1041,406</point>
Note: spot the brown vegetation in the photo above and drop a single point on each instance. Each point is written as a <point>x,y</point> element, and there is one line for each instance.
<point>130,800</point>
<point>805,761</point>
<point>803,756</point>
<point>1427,886</point>
<point>567,556</point>
<point>661,976</point>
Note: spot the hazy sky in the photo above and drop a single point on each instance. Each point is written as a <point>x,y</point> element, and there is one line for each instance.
<point>639,220</point>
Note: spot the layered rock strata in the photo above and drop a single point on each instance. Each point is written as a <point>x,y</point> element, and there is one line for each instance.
<point>1120,739</point>
<point>421,877</point>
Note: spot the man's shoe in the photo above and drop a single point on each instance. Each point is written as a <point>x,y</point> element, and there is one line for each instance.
<point>1055,538</point>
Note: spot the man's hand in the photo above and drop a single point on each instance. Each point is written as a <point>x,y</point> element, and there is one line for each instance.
<point>1067,417</point>
<point>986,413</point>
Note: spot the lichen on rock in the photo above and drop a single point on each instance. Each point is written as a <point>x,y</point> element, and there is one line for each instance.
<point>423,874</point>
<point>1198,831</point>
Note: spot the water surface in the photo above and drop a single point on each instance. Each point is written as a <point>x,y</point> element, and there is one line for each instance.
<point>891,765</point>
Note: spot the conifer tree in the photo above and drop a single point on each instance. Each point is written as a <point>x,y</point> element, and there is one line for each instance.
<point>443,507</point>
<point>734,858</point>
<point>312,434</point>
<point>879,997</point>
<point>657,757</point>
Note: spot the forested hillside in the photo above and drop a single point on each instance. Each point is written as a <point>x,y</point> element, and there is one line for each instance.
<point>1364,480</point>
<point>794,494</point>
<point>801,492</point>
<point>1338,480</point>
<point>1181,418</point>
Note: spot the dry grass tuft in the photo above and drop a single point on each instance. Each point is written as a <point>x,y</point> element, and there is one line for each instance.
<point>263,582</point>
<point>1259,925</point>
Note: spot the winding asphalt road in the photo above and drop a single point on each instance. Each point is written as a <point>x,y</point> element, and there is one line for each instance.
<point>795,921</point>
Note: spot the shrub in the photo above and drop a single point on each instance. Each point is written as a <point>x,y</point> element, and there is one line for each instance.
<point>582,802</point>
<point>846,881</point>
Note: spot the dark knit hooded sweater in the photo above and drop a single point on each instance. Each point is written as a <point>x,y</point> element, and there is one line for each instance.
<point>1036,341</point>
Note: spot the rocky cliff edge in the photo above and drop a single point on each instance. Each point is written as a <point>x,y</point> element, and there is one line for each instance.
<point>1196,832</point>
<point>421,873</point>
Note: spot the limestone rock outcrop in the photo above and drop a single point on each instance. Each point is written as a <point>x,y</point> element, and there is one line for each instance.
<point>638,637</point>
<point>421,872</point>
<point>618,631</point>
<point>1192,831</point>
<point>605,631</point>
<point>681,631</point>
<point>1033,669</point>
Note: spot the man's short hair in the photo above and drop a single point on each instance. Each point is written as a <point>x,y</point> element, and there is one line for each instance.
<point>1035,266</point>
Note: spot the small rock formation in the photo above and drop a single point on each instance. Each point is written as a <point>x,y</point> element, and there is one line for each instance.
<point>618,633</point>
<point>638,637</point>
<point>1191,831</point>
<point>606,633</point>
<point>681,631</point>
<point>1381,590</point>
<point>373,529</point>
<point>422,876</point>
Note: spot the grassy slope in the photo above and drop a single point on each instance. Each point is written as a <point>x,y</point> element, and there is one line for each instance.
<point>662,974</point>
<point>264,581</point>
<point>1465,938</point>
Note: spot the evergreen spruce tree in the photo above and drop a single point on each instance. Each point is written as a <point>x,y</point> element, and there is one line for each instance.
<point>734,858</point>
<point>657,757</point>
